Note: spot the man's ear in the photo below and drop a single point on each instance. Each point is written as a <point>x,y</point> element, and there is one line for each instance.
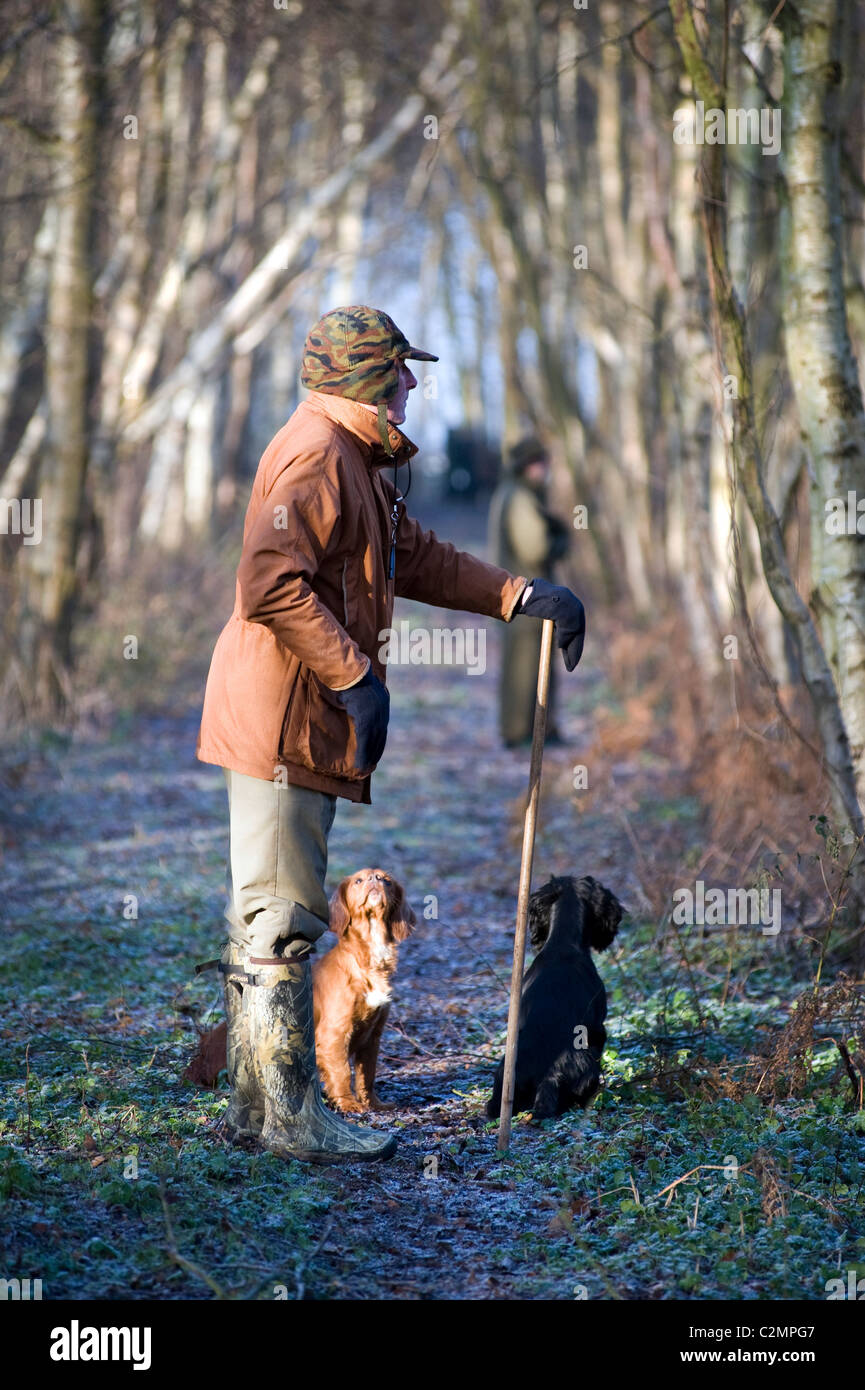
<point>340,917</point>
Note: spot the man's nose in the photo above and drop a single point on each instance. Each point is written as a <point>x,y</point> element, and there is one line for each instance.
<point>410,380</point>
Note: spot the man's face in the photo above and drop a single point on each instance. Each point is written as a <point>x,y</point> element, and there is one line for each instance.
<point>397,404</point>
<point>537,472</point>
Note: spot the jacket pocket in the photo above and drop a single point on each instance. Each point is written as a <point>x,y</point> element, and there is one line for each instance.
<point>317,731</point>
<point>332,744</point>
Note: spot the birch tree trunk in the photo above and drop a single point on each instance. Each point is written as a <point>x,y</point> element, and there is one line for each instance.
<point>25,319</point>
<point>349,222</point>
<point>208,343</point>
<point>819,353</point>
<point>750,475</point>
<point>627,269</point>
<point>50,586</point>
<point>689,503</point>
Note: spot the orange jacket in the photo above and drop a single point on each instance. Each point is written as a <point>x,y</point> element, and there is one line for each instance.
<point>313,595</point>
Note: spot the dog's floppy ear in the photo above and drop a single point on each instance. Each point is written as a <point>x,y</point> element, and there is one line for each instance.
<point>604,912</point>
<point>402,919</point>
<point>340,917</point>
<point>541,905</point>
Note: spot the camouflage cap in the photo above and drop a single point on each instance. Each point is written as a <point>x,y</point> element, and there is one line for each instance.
<point>354,352</point>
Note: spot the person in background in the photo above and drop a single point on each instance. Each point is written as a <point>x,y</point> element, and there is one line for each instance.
<point>524,538</point>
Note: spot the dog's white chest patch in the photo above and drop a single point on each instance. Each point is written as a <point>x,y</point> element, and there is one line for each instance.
<point>381,950</point>
<point>376,997</point>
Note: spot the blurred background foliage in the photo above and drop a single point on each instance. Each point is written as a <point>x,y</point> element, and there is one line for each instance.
<point>187,186</point>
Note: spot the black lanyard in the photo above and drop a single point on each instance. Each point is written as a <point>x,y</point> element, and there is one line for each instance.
<point>394,517</point>
<point>394,524</point>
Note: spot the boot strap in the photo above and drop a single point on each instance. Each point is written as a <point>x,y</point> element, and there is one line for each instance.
<point>236,972</point>
<point>207,965</point>
<point>285,965</point>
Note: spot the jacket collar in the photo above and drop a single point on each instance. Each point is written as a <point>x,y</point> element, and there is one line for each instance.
<point>363,424</point>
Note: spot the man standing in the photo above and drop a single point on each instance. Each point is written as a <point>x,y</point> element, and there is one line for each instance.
<point>524,536</point>
<point>296,710</point>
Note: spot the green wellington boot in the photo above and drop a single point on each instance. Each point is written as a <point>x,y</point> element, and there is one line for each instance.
<point>244,1117</point>
<point>297,1123</point>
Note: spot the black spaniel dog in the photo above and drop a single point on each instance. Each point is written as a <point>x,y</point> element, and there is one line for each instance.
<point>563,1003</point>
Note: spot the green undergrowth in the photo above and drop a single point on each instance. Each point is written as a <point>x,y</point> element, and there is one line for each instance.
<point>669,1188</point>
<point>113,1185</point>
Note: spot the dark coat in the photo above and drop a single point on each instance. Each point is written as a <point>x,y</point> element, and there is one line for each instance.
<point>523,535</point>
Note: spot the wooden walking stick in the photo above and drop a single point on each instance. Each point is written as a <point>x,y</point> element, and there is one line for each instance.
<point>540,728</point>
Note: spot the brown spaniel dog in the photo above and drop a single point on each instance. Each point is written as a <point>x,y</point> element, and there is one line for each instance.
<point>370,916</point>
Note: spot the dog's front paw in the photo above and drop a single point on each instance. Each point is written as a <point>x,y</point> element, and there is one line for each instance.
<point>348,1105</point>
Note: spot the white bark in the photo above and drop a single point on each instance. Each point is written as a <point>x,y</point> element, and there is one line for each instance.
<point>349,221</point>
<point>193,234</point>
<point>198,460</point>
<point>50,567</point>
<point>162,503</point>
<point>18,467</point>
<point>819,353</point>
<point>208,343</point>
<point>128,263</point>
<point>748,465</point>
<point>27,314</point>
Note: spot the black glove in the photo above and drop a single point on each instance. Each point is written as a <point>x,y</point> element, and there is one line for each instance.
<point>556,602</point>
<point>368,706</point>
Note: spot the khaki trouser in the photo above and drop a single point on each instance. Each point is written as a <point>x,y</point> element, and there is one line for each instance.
<point>278,862</point>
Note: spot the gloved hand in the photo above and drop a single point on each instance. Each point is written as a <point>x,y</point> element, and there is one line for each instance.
<point>554,601</point>
<point>368,706</point>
